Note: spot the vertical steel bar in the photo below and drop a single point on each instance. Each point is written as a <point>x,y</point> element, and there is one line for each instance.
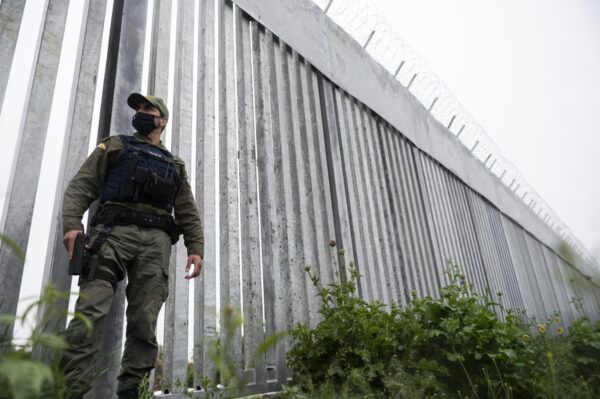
<point>425,241</point>
<point>518,264</point>
<point>335,160</point>
<point>319,177</point>
<point>177,306</point>
<point>399,151</point>
<point>416,231</point>
<point>367,205</point>
<point>514,296</point>
<point>11,12</point>
<point>393,263</point>
<point>471,246</point>
<point>23,184</point>
<point>205,301</point>
<point>483,235</point>
<point>313,249</point>
<point>281,261</point>
<point>252,300</point>
<point>541,274</point>
<point>348,174</point>
<point>77,148</point>
<point>365,248</point>
<point>161,30</point>
<point>159,53</point>
<point>271,212</point>
<point>444,230</point>
<point>302,187</point>
<point>298,301</point>
<point>127,79</point>
<point>409,278</point>
<point>229,264</point>
<point>18,89</point>
<point>364,139</point>
<point>433,211</point>
<point>395,224</point>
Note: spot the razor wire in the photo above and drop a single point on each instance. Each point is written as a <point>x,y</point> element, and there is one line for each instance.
<point>366,24</point>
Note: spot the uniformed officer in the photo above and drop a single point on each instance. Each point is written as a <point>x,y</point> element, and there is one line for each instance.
<point>139,184</point>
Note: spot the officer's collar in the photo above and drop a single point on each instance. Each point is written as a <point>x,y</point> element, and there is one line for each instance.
<point>140,137</point>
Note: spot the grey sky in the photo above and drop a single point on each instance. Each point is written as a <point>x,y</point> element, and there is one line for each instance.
<point>527,71</point>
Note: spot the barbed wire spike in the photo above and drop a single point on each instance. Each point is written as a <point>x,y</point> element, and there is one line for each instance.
<point>451,122</point>
<point>433,103</point>
<point>411,81</point>
<point>399,66</point>
<point>328,5</point>
<point>475,146</point>
<point>369,39</point>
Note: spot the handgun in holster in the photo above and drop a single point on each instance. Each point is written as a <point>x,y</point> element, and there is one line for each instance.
<point>78,260</point>
<point>84,261</point>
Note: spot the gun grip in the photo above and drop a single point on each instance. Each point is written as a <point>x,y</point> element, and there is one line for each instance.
<point>76,262</point>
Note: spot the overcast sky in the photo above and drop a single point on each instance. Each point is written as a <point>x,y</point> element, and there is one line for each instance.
<point>529,74</point>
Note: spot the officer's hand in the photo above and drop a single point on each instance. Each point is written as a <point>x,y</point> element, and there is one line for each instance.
<point>197,262</point>
<point>69,241</point>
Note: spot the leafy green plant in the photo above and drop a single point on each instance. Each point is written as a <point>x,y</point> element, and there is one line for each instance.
<point>585,345</point>
<point>144,391</point>
<point>460,344</point>
<point>461,331</point>
<point>23,374</point>
<point>358,349</point>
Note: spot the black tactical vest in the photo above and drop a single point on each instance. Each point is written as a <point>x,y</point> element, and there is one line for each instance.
<point>143,173</point>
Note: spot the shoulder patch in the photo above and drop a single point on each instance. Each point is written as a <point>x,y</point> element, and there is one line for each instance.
<point>104,143</point>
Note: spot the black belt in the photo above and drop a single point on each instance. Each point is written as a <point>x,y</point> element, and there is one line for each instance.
<point>114,215</point>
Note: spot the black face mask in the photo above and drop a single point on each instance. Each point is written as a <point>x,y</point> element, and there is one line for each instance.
<point>143,123</point>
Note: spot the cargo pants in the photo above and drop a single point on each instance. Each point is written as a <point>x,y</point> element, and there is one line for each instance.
<point>143,255</point>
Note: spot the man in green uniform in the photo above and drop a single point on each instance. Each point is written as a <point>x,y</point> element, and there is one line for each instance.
<point>139,184</point>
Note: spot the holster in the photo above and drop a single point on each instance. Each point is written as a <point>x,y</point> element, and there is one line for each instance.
<point>77,261</point>
<point>91,265</point>
<point>85,261</point>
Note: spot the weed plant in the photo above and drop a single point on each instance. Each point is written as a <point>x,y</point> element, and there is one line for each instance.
<point>31,369</point>
<point>452,346</point>
<point>23,374</point>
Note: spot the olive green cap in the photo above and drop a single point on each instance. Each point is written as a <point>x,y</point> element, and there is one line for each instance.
<point>136,99</point>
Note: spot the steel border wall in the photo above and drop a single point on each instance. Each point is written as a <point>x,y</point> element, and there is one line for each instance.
<point>291,150</point>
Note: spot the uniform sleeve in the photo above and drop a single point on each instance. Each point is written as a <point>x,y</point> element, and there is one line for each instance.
<point>85,186</point>
<point>186,213</point>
